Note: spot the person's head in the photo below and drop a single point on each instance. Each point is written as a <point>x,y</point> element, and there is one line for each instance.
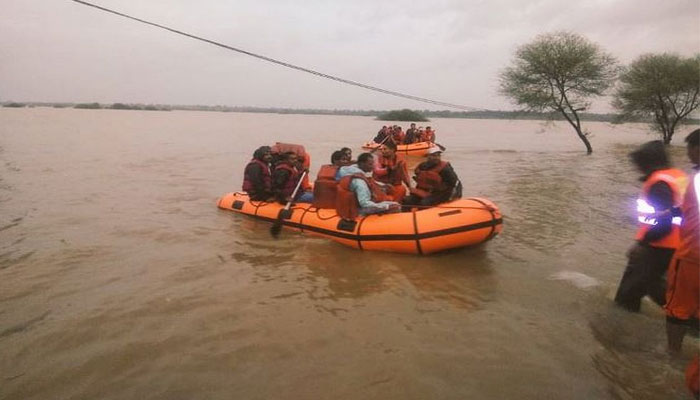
<point>650,156</point>
<point>366,162</point>
<point>413,125</point>
<point>434,155</point>
<point>347,152</point>
<point>337,157</point>
<point>389,148</point>
<point>263,153</point>
<point>693,143</point>
<point>427,128</point>
<point>289,157</point>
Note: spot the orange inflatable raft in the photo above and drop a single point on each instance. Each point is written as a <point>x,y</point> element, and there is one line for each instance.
<point>460,223</point>
<point>414,149</point>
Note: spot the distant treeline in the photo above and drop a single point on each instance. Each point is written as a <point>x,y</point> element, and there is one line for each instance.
<point>486,114</point>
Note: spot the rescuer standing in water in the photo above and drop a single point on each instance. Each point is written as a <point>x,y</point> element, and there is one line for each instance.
<point>657,236</point>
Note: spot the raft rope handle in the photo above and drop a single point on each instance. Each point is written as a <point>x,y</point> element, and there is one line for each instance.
<point>285,64</point>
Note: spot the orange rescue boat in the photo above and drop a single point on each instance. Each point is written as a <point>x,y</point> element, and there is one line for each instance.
<point>459,223</point>
<point>414,149</point>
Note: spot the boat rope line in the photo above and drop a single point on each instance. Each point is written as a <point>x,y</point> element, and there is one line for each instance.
<point>388,236</point>
<point>286,64</point>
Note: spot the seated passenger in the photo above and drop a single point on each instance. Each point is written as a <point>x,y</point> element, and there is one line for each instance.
<point>326,185</point>
<point>285,179</point>
<point>348,154</point>
<point>428,135</point>
<point>391,169</point>
<point>338,159</point>
<point>436,182</point>
<point>381,135</point>
<point>397,135</point>
<point>411,135</point>
<point>359,194</point>
<point>257,179</point>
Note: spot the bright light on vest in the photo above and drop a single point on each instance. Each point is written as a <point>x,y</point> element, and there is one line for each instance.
<point>646,212</point>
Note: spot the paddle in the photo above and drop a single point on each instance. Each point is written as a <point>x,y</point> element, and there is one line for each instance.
<point>284,213</point>
<point>380,144</point>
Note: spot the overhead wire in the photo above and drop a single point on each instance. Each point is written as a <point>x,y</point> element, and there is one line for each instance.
<point>286,64</point>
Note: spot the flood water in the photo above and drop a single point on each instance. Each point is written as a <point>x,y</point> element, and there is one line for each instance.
<point>120,279</point>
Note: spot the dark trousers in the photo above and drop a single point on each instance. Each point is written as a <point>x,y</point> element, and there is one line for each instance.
<point>645,274</point>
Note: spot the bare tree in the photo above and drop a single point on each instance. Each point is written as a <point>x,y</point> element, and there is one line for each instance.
<point>559,72</point>
<point>663,86</point>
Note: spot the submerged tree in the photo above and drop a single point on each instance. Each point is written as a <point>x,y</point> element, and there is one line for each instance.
<point>559,72</point>
<point>402,115</point>
<point>663,86</point>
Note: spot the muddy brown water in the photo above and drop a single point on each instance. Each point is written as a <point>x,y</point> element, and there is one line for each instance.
<point>120,279</point>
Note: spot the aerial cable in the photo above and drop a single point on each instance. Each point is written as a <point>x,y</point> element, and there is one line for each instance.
<point>285,64</point>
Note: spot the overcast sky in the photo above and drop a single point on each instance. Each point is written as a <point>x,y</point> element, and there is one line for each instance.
<point>451,50</point>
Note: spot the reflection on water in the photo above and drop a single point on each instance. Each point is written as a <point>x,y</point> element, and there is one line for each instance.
<point>119,278</point>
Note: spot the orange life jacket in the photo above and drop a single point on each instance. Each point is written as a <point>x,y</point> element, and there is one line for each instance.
<point>346,202</point>
<point>291,183</point>
<point>281,148</point>
<point>677,181</point>
<point>397,167</point>
<point>397,136</point>
<point>249,185</point>
<point>326,187</point>
<point>689,247</point>
<point>429,180</point>
<point>428,136</point>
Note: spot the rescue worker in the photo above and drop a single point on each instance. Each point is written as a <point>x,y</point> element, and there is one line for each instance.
<point>682,293</point>
<point>257,177</point>
<point>391,169</point>
<point>285,178</point>
<point>436,182</point>
<point>657,236</point>
<point>358,194</point>
<point>428,135</point>
<point>411,135</point>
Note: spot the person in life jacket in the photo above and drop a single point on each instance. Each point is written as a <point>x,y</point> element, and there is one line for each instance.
<point>436,182</point>
<point>358,193</point>
<point>326,184</point>
<point>381,135</point>
<point>683,289</point>
<point>257,177</point>
<point>657,235</point>
<point>348,155</point>
<point>412,135</point>
<point>397,134</point>
<point>285,178</point>
<point>428,135</point>
<point>391,169</point>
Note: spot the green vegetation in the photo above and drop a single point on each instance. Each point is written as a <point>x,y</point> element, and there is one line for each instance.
<point>559,72</point>
<point>88,106</point>
<point>149,107</point>
<point>664,87</point>
<point>402,115</point>
<point>15,105</point>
